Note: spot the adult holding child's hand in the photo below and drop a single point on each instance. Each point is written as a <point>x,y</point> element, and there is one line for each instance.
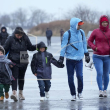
<point>16,45</point>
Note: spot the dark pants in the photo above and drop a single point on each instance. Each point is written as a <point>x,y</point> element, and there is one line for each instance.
<point>18,74</point>
<point>5,87</point>
<point>78,67</point>
<point>44,86</point>
<point>49,41</point>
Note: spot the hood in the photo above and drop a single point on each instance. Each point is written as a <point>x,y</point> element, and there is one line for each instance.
<point>41,45</point>
<point>4,28</point>
<point>74,23</point>
<point>100,22</point>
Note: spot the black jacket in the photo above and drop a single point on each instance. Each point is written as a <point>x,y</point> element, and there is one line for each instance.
<point>14,46</point>
<point>3,36</point>
<point>4,76</point>
<point>48,33</point>
<point>41,64</point>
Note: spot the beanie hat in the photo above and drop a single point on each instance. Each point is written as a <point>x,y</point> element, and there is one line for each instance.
<point>2,49</point>
<point>104,19</point>
<point>18,30</point>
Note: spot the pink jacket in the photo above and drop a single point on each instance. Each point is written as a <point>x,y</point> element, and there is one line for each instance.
<point>101,42</point>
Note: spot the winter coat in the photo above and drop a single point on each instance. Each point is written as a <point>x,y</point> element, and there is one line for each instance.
<point>101,42</point>
<point>15,46</point>
<point>76,40</point>
<point>5,71</point>
<point>41,64</point>
<point>48,33</point>
<point>3,36</point>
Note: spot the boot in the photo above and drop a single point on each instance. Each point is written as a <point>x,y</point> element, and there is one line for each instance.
<point>21,95</point>
<point>1,98</point>
<point>14,95</point>
<point>6,95</point>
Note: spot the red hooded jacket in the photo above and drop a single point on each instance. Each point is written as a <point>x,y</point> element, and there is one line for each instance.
<point>102,42</point>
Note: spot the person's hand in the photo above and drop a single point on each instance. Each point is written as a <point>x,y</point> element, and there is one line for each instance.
<point>11,66</point>
<point>62,65</point>
<point>60,61</point>
<point>87,57</point>
<point>35,74</point>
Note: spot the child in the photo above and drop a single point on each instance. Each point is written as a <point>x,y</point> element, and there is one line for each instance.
<point>41,67</point>
<point>5,74</point>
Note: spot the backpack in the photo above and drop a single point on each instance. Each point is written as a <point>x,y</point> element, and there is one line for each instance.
<point>70,37</point>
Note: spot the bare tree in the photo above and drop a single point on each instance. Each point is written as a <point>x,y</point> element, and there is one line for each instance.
<point>84,13</point>
<point>38,16</point>
<point>5,20</point>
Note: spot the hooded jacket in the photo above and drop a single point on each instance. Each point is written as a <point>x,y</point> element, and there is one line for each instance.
<point>76,39</point>
<point>3,36</point>
<point>5,71</point>
<point>101,42</point>
<point>41,63</point>
<point>14,46</point>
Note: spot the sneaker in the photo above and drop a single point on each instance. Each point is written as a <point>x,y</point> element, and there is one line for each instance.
<point>104,93</point>
<point>6,95</point>
<point>73,98</point>
<point>80,96</point>
<point>1,98</point>
<point>14,96</point>
<point>47,94</point>
<point>42,98</point>
<point>101,94</point>
<point>21,97</point>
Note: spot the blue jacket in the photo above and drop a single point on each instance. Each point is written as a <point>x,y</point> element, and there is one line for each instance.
<point>76,39</point>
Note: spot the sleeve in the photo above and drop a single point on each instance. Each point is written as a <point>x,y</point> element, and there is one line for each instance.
<point>55,62</point>
<point>91,40</point>
<point>64,44</point>
<point>84,42</point>
<point>34,64</point>
<point>7,45</point>
<point>0,38</point>
<point>30,47</point>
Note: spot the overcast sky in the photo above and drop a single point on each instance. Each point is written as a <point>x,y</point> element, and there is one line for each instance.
<point>52,6</point>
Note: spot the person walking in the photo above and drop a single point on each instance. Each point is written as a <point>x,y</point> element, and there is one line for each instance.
<point>5,74</point>
<point>61,34</point>
<point>101,56</point>
<point>74,47</point>
<point>16,45</point>
<point>3,35</point>
<point>49,35</point>
<point>41,68</point>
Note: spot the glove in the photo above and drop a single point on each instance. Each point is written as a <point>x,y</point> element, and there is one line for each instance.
<point>61,59</point>
<point>87,57</point>
<point>62,65</point>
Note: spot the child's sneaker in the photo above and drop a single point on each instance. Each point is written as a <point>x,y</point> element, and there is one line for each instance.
<point>47,94</point>
<point>6,95</point>
<point>42,98</point>
<point>105,93</point>
<point>80,96</point>
<point>73,98</point>
<point>1,98</point>
<point>101,94</point>
<point>14,96</point>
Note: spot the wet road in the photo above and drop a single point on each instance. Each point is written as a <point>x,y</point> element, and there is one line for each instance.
<point>60,98</point>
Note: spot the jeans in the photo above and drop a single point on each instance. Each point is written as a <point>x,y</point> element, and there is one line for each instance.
<point>5,87</point>
<point>78,66</point>
<point>44,86</point>
<point>102,66</point>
